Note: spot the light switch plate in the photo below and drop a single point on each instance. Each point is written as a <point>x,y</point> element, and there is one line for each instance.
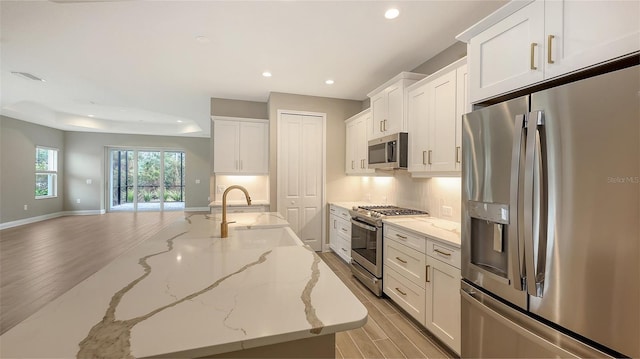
<point>447,211</point>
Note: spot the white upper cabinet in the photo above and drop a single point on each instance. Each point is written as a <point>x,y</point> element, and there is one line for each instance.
<point>435,107</point>
<point>240,146</point>
<point>463,106</point>
<point>356,144</point>
<point>582,33</point>
<point>528,42</point>
<point>388,105</point>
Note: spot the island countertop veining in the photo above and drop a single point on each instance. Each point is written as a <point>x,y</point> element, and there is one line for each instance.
<point>185,292</point>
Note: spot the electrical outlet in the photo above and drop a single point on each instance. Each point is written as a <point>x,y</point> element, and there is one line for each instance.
<point>77,200</point>
<point>447,211</point>
<point>89,181</point>
<point>197,181</point>
<point>26,207</point>
<point>220,188</point>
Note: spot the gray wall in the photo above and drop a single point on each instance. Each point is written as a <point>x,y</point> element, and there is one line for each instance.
<point>337,110</point>
<point>18,141</point>
<point>449,55</point>
<point>87,159</point>
<point>82,156</point>
<point>238,108</point>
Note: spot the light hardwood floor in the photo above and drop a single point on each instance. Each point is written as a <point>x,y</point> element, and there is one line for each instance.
<point>40,261</point>
<point>389,332</point>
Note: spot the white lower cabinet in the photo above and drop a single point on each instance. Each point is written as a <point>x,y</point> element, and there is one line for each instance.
<point>422,276</point>
<point>340,232</point>
<point>406,294</point>
<point>442,308</point>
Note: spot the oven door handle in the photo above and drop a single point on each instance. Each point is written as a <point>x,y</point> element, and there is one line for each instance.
<point>363,225</point>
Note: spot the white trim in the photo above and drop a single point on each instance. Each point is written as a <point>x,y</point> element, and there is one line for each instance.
<point>492,19</point>
<point>195,209</point>
<point>239,119</point>
<point>323,235</point>
<point>21,222</point>
<point>86,212</point>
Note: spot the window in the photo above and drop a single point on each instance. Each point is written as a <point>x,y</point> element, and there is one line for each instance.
<point>46,172</point>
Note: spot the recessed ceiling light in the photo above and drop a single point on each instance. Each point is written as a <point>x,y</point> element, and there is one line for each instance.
<point>266,74</point>
<point>329,82</point>
<point>91,115</point>
<point>202,39</point>
<point>392,13</point>
<point>179,121</point>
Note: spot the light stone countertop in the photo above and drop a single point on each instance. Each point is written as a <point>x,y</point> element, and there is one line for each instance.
<point>239,203</point>
<point>185,292</point>
<point>436,228</point>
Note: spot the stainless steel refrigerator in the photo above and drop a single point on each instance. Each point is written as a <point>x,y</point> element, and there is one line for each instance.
<point>551,222</point>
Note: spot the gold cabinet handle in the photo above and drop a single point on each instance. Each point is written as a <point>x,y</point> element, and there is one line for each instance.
<point>458,154</point>
<point>385,125</point>
<point>400,291</point>
<point>381,130</point>
<point>401,260</point>
<point>549,46</point>
<point>443,253</point>
<point>334,224</point>
<point>430,152</point>
<point>424,162</point>
<point>533,52</point>
<point>343,249</point>
<point>400,236</point>
<point>344,230</point>
<point>353,165</point>
<point>362,163</point>
<point>426,274</point>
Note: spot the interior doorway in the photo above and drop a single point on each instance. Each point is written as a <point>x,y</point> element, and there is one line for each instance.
<point>146,180</point>
<point>301,166</point>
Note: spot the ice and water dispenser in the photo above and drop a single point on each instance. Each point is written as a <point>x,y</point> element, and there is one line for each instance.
<point>489,245</point>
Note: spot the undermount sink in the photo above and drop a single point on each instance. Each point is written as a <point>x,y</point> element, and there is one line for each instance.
<point>243,237</point>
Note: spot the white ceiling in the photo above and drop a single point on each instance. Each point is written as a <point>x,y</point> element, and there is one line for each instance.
<point>137,66</point>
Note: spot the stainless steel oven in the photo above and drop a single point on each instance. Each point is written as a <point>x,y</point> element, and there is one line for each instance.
<point>366,242</point>
<point>366,254</point>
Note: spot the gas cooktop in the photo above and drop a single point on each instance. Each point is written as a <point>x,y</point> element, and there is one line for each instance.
<point>380,212</point>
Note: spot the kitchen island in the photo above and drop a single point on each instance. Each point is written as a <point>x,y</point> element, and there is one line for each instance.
<point>188,293</point>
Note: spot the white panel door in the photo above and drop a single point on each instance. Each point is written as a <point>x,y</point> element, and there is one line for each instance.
<point>300,175</point>
<point>379,114</point>
<point>395,109</point>
<point>442,312</point>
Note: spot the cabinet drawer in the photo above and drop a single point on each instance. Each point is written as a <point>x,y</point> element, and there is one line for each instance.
<point>344,227</point>
<point>443,252</point>
<point>340,212</point>
<point>408,239</point>
<point>406,261</point>
<point>403,292</point>
<point>344,248</point>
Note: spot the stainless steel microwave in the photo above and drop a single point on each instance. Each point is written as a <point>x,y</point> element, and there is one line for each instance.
<point>389,152</point>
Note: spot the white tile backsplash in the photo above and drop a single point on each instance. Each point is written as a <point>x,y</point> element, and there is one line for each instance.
<point>429,194</point>
<point>257,186</point>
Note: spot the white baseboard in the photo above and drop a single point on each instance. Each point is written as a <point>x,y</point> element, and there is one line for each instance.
<point>90,212</point>
<point>30,220</point>
<point>197,209</point>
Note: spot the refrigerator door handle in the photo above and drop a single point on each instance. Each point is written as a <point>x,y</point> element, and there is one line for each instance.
<point>535,204</point>
<point>515,236</point>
